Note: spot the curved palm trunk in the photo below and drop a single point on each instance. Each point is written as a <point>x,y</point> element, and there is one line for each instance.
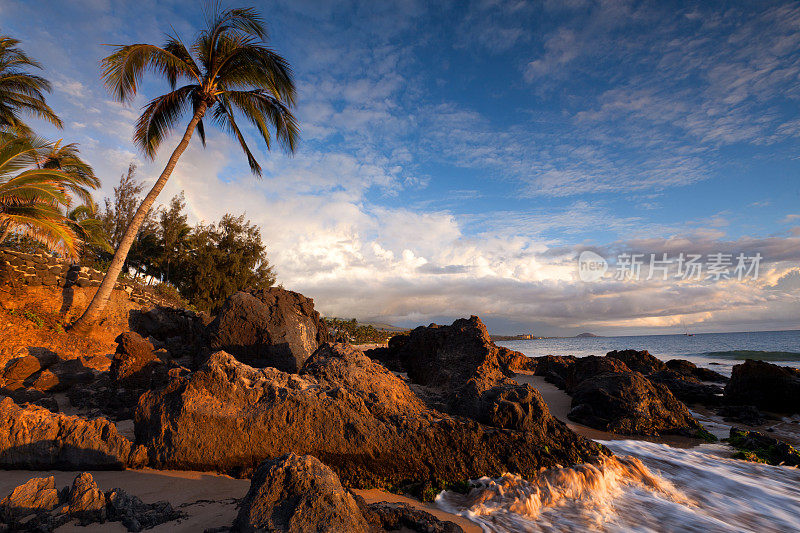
<point>101,297</point>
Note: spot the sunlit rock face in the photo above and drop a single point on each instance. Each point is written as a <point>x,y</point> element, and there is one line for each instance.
<point>270,327</point>
<point>345,409</point>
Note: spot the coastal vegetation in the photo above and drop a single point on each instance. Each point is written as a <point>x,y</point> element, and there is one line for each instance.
<point>352,331</point>
<point>229,70</point>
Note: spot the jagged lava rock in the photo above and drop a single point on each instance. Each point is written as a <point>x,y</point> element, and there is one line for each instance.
<point>270,327</point>
<point>86,502</point>
<point>135,364</point>
<point>38,495</point>
<point>587,367</point>
<point>345,409</point>
<point>296,494</point>
<point>638,361</point>
<point>628,403</point>
<point>34,438</point>
<point>767,386</point>
<point>554,368</point>
<point>688,388</point>
<point>471,374</point>
<point>687,368</point>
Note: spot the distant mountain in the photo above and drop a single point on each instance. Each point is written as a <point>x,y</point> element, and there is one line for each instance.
<point>584,335</point>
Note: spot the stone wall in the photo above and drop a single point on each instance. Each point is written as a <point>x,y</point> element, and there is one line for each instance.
<point>19,269</point>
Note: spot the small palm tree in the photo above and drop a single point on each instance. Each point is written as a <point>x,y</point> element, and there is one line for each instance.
<point>31,197</point>
<point>84,222</point>
<point>20,91</point>
<point>228,70</point>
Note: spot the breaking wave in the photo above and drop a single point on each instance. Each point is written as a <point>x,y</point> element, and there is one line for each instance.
<point>647,487</point>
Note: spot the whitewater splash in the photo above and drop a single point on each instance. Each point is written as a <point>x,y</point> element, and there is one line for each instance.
<point>647,487</point>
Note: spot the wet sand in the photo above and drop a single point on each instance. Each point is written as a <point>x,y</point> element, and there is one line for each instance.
<point>209,500</point>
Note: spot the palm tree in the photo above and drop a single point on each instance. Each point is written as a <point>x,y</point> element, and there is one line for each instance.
<point>68,159</point>
<point>31,197</point>
<point>84,222</point>
<point>228,70</point>
<point>21,91</point>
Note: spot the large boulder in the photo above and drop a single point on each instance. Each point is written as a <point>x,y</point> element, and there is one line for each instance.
<point>86,503</point>
<point>38,495</point>
<point>755,446</point>
<point>590,366</point>
<point>296,494</point>
<point>628,403</point>
<point>767,386</point>
<point>554,368</point>
<point>345,409</point>
<point>688,388</point>
<point>135,365</point>
<point>687,368</point>
<point>469,374</point>
<point>271,327</point>
<point>180,331</point>
<point>35,438</point>
<point>638,361</point>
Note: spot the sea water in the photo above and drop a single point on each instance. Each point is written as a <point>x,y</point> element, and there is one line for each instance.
<point>647,487</point>
<point>718,351</point>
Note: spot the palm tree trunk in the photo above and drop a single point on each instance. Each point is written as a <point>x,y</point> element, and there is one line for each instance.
<point>101,297</point>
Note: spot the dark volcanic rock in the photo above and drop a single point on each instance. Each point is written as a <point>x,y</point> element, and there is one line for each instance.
<point>767,386</point>
<point>135,365</point>
<point>590,366</point>
<point>471,374</point>
<point>181,331</point>
<point>755,446</point>
<point>688,388</point>
<point>38,495</point>
<point>554,368</point>
<point>627,403</point>
<point>345,409</point>
<point>638,361</point>
<point>86,502</point>
<point>386,516</point>
<point>687,368</point>
<point>297,494</point>
<point>136,515</point>
<point>271,327</point>
<point>34,438</point>
<point>744,414</point>
<point>19,369</point>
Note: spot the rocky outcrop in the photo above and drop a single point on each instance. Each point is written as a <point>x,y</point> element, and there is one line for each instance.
<point>627,403</point>
<point>181,331</point>
<point>35,438</point>
<point>755,446</point>
<point>638,361</point>
<point>767,386</point>
<point>687,368</point>
<point>134,364</point>
<point>86,503</point>
<point>554,368</point>
<point>588,367</point>
<point>296,494</point>
<point>467,374</point>
<point>345,409</point>
<point>386,516</point>
<point>688,388</point>
<point>748,415</point>
<point>271,327</point>
<point>38,495</point>
<point>82,503</point>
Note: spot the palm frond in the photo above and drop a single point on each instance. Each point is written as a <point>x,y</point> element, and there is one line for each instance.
<point>223,117</point>
<point>262,109</point>
<point>160,117</point>
<point>124,68</point>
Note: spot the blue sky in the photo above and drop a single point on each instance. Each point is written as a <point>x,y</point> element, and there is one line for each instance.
<point>457,156</point>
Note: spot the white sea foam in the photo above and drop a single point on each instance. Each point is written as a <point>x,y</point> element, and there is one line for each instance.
<point>647,487</point>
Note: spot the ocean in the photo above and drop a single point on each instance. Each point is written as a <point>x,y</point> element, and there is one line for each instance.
<point>718,351</point>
